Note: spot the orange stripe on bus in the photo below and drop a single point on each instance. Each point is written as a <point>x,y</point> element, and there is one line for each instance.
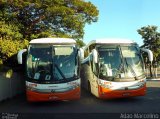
<point>105,93</point>
<point>69,95</point>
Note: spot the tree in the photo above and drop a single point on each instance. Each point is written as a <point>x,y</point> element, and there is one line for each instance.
<point>151,41</point>
<point>80,43</point>
<point>22,20</point>
<point>50,17</point>
<point>10,41</point>
<point>9,31</point>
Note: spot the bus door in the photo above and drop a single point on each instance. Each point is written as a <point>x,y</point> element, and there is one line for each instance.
<point>94,78</point>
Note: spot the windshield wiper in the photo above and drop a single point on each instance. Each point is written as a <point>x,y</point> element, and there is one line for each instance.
<point>36,65</point>
<point>60,72</point>
<point>132,70</point>
<point>121,67</point>
<point>119,70</point>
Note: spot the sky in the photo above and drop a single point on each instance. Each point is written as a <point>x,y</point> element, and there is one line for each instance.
<point>122,19</point>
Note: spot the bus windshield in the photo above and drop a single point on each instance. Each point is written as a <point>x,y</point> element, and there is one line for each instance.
<point>47,63</point>
<point>120,62</point>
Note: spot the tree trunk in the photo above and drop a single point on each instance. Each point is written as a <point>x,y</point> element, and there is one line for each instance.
<point>150,68</point>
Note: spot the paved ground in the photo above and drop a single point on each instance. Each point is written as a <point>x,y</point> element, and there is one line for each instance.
<point>87,106</point>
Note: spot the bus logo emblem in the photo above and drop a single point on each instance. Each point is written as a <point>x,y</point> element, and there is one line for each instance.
<point>52,91</point>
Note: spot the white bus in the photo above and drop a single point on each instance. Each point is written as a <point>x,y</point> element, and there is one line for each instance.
<point>114,68</point>
<point>52,69</point>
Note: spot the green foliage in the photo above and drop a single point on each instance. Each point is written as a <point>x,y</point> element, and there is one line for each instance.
<point>57,16</point>
<point>151,40</point>
<point>9,47</point>
<point>23,20</point>
<point>10,40</point>
<point>80,43</point>
<point>9,31</point>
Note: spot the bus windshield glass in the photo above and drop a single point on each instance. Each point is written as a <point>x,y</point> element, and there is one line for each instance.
<point>48,63</point>
<point>120,62</point>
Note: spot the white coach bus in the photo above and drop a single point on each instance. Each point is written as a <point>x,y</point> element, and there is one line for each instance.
<point>114,68</point>
<point>52,69</point>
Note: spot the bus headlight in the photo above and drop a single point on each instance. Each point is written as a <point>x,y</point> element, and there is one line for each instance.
<point>75,86</point>
<point>104,84</point>
<point>31,87</point>
<point>142,83</point>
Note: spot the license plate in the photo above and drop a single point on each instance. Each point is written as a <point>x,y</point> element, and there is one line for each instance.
<point>53,98</point>
<point>126,94</point>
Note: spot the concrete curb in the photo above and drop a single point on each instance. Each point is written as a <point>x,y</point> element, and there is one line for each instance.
<point>153,79</point>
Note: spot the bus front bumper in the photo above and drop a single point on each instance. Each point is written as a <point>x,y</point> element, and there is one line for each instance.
<point>37,96</point>
<point>109,94</point>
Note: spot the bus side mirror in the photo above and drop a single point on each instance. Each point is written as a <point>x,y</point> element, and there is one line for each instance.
<point>19,56</point>
<point>81,54</point>
<point>95,55</point>
<point>149,52</point>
